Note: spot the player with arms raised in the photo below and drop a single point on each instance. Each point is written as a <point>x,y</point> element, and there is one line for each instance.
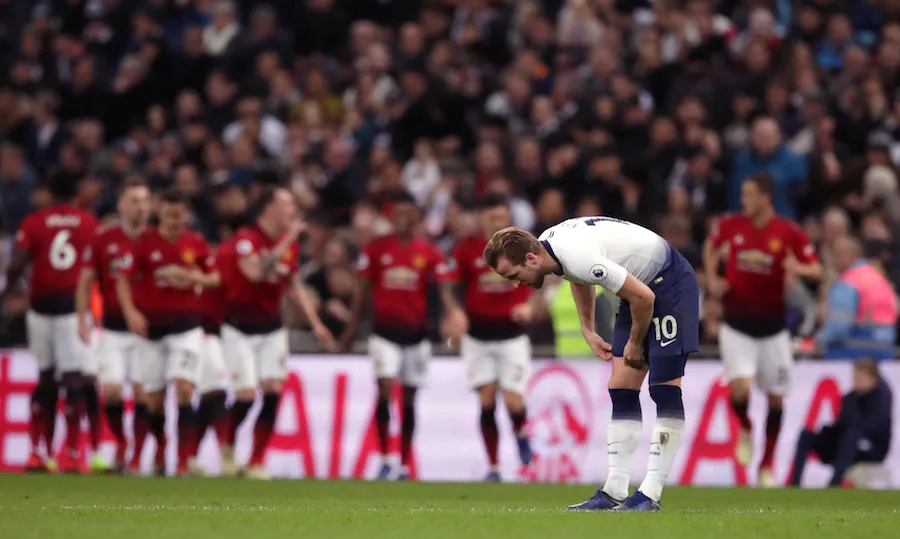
<point>496,351</point>
<point>764,251</point>
<point>51,240</point>
<point>258,267</point>
<point>110,251</point>
<point>157,293</point>
<point>395,271</point>
<point>656,328</point>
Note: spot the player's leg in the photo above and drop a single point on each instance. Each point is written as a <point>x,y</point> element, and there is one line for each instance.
<point>184,358</point>
<point>42,421</point>
<point>387,358</point>
<point>775,376</point>
<point>69,352</point>
<point>211,410</point>
<point>740,357</point>
<point>141,423</point>
<point>88,360</point>
<point>515,368</point>
<point>154,377</point>
<point>481,374</point>
<point>111,361</point>
<point>271,354</point>
<point>240,361</point>
<point>623,435</point>
<point>413,375</point>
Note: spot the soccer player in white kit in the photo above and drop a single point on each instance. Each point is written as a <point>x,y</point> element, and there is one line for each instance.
<point>657,327</point>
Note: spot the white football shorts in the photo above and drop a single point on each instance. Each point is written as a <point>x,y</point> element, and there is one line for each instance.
<point>767,360</point>
<point>506,362</point>
<point>408,364</point>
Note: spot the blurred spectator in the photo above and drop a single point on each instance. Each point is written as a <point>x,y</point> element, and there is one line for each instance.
<point>862,308</point>
<point>862,432</point>
<point>16,184</point>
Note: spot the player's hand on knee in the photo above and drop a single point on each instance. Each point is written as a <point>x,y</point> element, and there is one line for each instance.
<point>634,356</point>
<point>601,348</point>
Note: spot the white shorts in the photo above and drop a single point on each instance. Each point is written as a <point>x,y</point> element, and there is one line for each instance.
<point>768,360</point>
<point>117,357</point>
<point>506,362</point>
<point>254,358</point>
<point>54,342</point>
<point>173,357</point>
<point>213,375</point>
<point>408,364</point>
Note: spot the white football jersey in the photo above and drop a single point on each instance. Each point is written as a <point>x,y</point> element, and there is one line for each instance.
<point>604,250</point>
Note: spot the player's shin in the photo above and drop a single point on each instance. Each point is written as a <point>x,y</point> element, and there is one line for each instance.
<point>265,425</point>
<point>113,409</point>
<point>141,428</point>
<point>92,411</point>
<point>407,432</point>
<point>666,438</point>
<point>238,414</point>
<point>773,429</point>
<point>73,412</point>
<point>212,413</point>
<point>490,434</point>
<point>156,422</point>
<point>622,439</point>
<point>383,426</point>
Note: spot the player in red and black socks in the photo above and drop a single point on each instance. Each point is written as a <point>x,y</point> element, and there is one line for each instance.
<point>111,250</point>
<point>496,352</point>
<point>51,240</point>
<point>764,251</point>
<point>395,271</point>
<point>258,268</point>
<point>170,263</point>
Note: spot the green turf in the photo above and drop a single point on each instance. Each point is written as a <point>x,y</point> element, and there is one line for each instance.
<point>49,507</point>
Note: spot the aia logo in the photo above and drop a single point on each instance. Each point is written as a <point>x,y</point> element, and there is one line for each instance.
<point>560,424</point>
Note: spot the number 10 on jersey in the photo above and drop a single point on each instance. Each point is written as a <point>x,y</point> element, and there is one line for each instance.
<point>666,328</point>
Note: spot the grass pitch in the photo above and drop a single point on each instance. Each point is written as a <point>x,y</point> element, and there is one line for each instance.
<point>66,507</point>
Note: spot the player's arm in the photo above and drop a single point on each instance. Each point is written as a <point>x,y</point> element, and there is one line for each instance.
<point>804,263</point>
<point>297,294</point>
<point>136,321</point>
<point>447,277</point>
<point>82,300</point>
<point>358,304</point>
<point>712,257</point>
<point>17,265</point>
<point>640,298</point>
<point>257,267</point>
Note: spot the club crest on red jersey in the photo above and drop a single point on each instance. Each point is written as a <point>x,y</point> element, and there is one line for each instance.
<point>775,245</point>
<point>419,262</point>
<point>188,257</point>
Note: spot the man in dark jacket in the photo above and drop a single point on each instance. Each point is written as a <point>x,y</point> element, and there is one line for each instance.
<point>862,432</point>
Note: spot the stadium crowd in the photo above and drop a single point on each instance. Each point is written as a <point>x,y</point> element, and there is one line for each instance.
<point>652,111</point>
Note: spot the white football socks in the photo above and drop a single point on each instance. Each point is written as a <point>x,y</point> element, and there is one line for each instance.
<point>622,439</point>
<point>663,448</point>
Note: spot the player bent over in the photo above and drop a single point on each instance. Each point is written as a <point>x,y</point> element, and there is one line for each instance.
<point>158,297</point>
<point>51,240</point>
<point>656,327</point>
<point>395,270</point>
<point>496,351</point>
<point>258,266</point>
<point>764,251</point>
<point>116,353</point>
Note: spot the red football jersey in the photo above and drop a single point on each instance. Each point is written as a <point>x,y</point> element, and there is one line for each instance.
<point>163,304</point>
<point>754,266</point>
<point>399,273</point>
<point>110,251</point>
<point>489,297</point>
<point>55,237</point>
<point>251,305</point>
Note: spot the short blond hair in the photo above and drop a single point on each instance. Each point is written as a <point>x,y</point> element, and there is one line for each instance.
<point>512,244</point>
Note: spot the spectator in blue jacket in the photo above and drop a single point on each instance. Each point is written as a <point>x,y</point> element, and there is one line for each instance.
<point>862,432</point>
<point>768,154</point>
